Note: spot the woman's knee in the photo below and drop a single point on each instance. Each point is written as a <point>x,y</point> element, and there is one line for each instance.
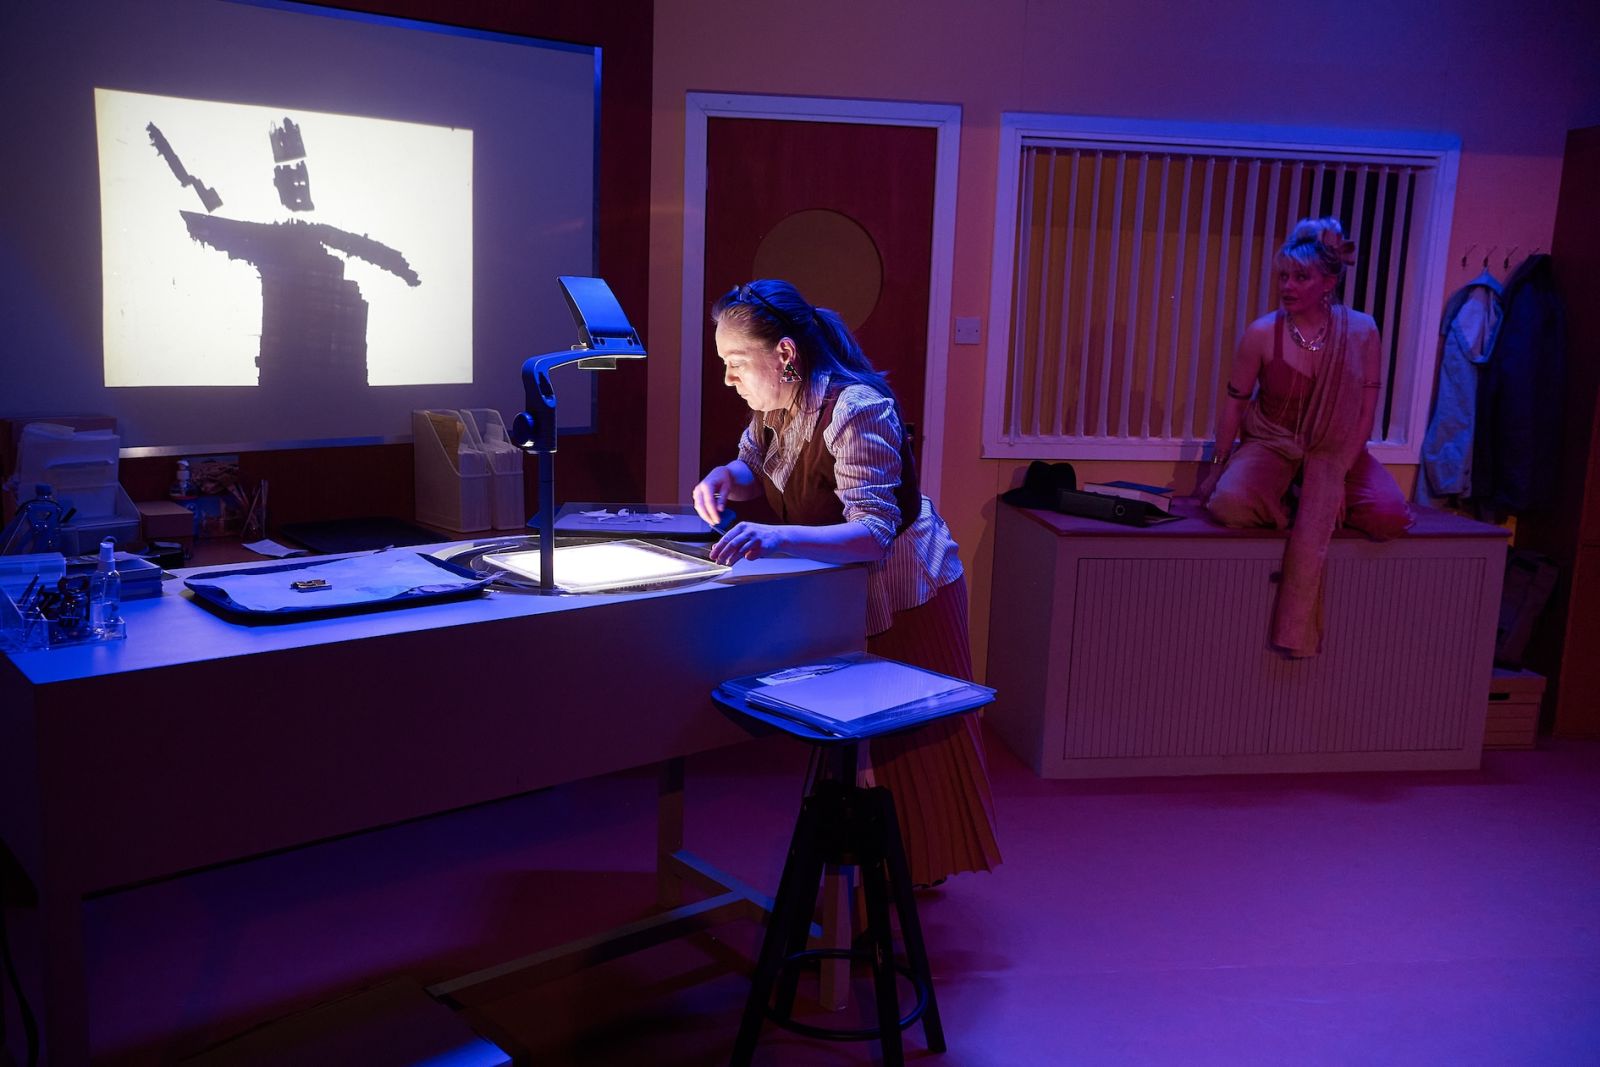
<point>1231,507</point>
<point>1382,521</point>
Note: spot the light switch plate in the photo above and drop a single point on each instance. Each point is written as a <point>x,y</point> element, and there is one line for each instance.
<point>969,331</point>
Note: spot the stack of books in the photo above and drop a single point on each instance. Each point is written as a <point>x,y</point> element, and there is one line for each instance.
<point>1156,496</point>
<point>1127,503</point>
<point>853,696</point>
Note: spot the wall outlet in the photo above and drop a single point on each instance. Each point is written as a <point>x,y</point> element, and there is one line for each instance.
<point>969,331</point>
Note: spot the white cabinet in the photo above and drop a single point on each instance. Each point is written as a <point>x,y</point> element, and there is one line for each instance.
<point>1120,651</point>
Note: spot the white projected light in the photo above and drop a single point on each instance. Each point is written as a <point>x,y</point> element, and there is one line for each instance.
<point>276,246</point>
<point>610,565</point>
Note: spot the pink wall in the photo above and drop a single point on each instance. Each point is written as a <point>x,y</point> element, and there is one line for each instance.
<point>1508,84</point>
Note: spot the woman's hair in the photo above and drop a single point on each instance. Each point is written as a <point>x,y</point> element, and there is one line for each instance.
<point>1321,243</point>
<point>771,309</point>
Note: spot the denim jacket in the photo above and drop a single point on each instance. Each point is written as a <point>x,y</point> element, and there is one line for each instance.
<point>1471,324</point>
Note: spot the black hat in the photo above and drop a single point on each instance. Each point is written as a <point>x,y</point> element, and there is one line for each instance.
<point>1041,485</point>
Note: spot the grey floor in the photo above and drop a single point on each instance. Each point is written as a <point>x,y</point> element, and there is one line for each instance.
<point>1426,918</point>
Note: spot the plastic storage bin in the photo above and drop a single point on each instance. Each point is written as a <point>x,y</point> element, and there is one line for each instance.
<point>451,474</point>
<point>80,466</point>
<point>82,536</point>
<point>488,433</point>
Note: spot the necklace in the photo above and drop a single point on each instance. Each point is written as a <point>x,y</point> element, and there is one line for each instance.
<point>1313,345</point>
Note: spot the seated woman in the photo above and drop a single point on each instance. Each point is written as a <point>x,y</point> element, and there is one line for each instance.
<point>1301,398</point>
<point>827,448</point>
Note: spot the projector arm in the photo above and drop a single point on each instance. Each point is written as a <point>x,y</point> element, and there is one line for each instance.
<point>604,336</point>
<point>534,431</point>
<point>534,428</point>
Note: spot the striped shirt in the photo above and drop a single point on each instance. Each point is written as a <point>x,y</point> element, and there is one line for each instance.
<point>864,440</point>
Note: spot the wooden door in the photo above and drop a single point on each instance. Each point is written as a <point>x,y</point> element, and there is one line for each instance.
<point>842,210</point>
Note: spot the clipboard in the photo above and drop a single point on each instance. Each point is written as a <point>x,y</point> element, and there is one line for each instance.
<point>850,697</point>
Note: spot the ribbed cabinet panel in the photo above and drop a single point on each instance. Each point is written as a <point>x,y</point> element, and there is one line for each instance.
<point>1160,669</point>
<point>1123,651</point>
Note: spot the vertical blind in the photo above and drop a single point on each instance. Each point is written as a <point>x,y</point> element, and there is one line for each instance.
<point>1136,271</point>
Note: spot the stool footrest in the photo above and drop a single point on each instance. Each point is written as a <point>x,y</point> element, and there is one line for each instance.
<point>837,1033</point>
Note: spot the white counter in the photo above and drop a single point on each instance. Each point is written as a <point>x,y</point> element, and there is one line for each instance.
<point>198,740</point>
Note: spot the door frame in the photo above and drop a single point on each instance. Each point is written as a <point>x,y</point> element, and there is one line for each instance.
<point>945,120</point>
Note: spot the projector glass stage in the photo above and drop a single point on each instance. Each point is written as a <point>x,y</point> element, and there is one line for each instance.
<point>603,565</point>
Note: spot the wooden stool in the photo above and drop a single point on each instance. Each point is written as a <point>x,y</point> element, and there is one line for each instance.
<point>845,824</point>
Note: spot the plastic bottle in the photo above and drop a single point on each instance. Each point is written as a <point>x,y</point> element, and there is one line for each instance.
<point>181,488</point>
<point>44,520</point>
<point>105,595</point>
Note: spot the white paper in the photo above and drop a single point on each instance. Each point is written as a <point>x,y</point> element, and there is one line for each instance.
<point>858,690</point>
<point>268,547</point>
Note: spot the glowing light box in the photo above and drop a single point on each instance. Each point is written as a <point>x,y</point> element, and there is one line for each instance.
<point>604,565</point>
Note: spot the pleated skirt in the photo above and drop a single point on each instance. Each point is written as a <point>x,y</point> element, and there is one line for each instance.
<point>937,773</point>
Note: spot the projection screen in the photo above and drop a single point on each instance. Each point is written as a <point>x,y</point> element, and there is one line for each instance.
<point>263,224</point>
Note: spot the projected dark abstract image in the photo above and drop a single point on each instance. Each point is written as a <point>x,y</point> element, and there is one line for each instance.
<point>313,319</point>
<point>323,304</point>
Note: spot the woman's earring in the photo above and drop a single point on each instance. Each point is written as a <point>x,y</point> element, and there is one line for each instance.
<point>789,376</point>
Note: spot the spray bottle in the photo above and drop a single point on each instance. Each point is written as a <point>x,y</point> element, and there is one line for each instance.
<point>105,595</point>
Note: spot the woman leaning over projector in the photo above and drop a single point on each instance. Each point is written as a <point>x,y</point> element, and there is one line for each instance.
<point>827,448</point>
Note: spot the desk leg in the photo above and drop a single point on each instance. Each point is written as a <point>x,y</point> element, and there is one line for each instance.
<point>675,866</point>
<point>669,833</point>
<point>58,991</point>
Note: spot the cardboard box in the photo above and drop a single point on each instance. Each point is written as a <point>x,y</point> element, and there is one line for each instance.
<point>1514,700</point>
<point>165,520</point>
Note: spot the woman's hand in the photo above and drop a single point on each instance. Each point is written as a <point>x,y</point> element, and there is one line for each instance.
<point>714,490</point>
<point>747,540</point>
<point>1208,481</point>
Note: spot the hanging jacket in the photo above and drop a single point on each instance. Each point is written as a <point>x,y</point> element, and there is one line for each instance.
<point>1517,447</point>
<point>1471,325</point>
